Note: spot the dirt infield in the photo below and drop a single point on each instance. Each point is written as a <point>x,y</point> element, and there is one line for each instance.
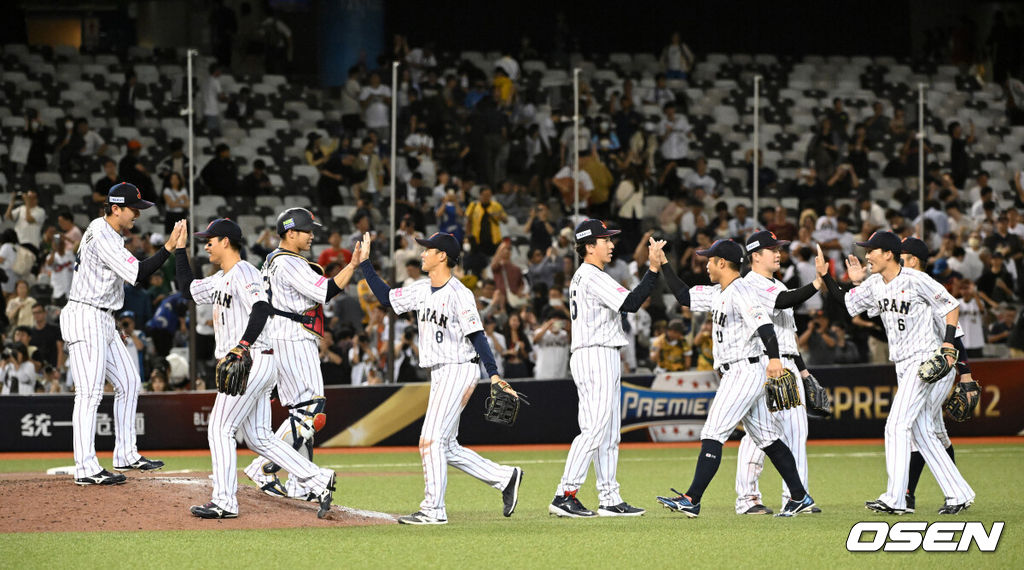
<point>53,503</point>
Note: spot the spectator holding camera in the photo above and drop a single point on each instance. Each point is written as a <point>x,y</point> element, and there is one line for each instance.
<point>19,306</point>
<point>133,339</point>
<point>407,357</point>
<point>669,351</point>
<point>17,372</point>
<point>47,340</point>
<point>551,346</point>
<point>818,341</point>
<point>28,218</point>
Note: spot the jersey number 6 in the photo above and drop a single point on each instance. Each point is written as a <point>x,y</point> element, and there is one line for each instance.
<point>572,304</point>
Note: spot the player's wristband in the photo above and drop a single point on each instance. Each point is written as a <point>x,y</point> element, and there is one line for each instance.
<point>950,334</point>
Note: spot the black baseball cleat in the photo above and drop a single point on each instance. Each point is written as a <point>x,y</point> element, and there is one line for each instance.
<point>104,477</point>
<point>143,464</point>
<point>954,509</point>
<point>622,509</point>
<point>911,503</point>
<point>758,509</point>
<point>510,496</point>
<point>211,511</point>
<point>793,508</point>
<point>326,497</point>
<point>880,507</point>
<point>568,505</point>
<point>420,518</point>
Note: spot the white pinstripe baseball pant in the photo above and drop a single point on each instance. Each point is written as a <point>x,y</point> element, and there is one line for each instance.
<point>597,372</point>
<point>450,388</point>
<point>97,353</point>
<point>792,427</point>
<point>741,397</point>
<point>936,398</point>
<point>910,423</point>
<point>250,412</point>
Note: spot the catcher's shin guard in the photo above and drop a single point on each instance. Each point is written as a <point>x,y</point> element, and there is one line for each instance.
<point>304,420</point>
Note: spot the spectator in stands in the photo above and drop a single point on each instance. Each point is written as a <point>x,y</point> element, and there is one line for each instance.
<point>978,207</point>
<point>257,182</point>
<point>277,45</point>
<point>845,351</point>
<point>175,197</point>
<point>132,170</point>
<point>28,218</point>
<point>483,217</point>
<point>542,267</point>
<point>59,265</point>
<point>8,257</point>
<point>674,133</point>
<point>541,230</point>
<point>818,342</point>
<point>375,100</point>
<point>602,180</point>
<point>449,215</point>
<point>240,107</point>
<point>551,345</point>
<point>368,168</point>
<point>517,352</point>
<point>126,100</point>
<point>47,340</point>
<point>741,225</point>
<point>334,251</point>
<point>999,331</point>
<point>877,125</point>
<point>1001,239</point>
<point>823,150</point>
<point>996,284</point>
<point>677,58</point>
<point>810,189</point>
<point>71,233</point>
<point>766,177</point>
<point>670,350</point>
<point>351,112</point>
<point>157,381</point>
<point>700,181</point>
<point>38,136</point>
<point>213,96</point>
<point>958,145</point>
<point>857,152</point>
<point>176,161</point>
<point>17,371</point>
<point>220,175</point>
<point>166,322</point>
<point>972,313</point>
<point>839,119</point>
<point>782,227</point>
<point>19,306</point>
<point>508,277</point>
<point>79,143</point>
<point>660,94</point>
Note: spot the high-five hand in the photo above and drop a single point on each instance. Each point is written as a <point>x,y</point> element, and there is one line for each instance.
<point>365,253</point>
<point>655,254</point>
<point>855,270</point>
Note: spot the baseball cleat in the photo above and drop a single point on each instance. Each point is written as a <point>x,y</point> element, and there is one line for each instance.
<point>954,509</point>
<point>326,497</point>
<point>793,508</point>
<point>143,464</point>
<point>681,504</point>
<point>275,488</point>
<point>622,509</point>
<point>758,509</point>
<point>420,518</point>
<point>569,506</point>
<point>510,496</point>
<point>212,511</point>
<point>911,503</point>
<point>104,477</point>
<point>880,507</point>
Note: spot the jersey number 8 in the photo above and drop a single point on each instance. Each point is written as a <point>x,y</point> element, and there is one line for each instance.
<point>438,336</point>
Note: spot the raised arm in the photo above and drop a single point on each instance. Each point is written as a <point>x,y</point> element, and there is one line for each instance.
<point>380,289</point>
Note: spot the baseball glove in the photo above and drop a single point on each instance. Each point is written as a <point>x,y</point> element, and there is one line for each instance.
<point>818,403</point>
<point>782,392</point>
<point>232,374</point>
<point>937,366</point>
<point>963,400</point>
<point>502,407</point>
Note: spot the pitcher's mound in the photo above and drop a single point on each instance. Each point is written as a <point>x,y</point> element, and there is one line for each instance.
<point>151,501</point>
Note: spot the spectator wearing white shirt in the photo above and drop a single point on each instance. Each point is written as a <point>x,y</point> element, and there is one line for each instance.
<point>17,371</point>
<point>28,219</point>
<point>675,132</point>
<point>351,112</point>
<point>972,311</point>
<point>700,179</point>
<point>420,60</point>
<point>375,100</point>
<point>974,193</point>
<point>213,96</point>
<point>933,211</point>
<point>1014,224</point>
<point>660,94</point>
<point>563,180</point>
<point>872,215</point>
<point>551,346</point>
<point>741,225</point>
<point>60,266</point>
<point>677,58</point>
<point>966,262</point>
<point>978,208</point>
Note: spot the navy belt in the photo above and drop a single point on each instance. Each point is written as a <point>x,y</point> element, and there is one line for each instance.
<point>789,356</point>
<point>725,367</point>
<point>108,311</point>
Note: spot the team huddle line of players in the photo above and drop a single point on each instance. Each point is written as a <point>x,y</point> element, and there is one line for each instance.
<point>274,316</point>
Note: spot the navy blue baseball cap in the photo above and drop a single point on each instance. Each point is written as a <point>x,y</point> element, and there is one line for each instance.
<point>887,241</point>
<point>127,195</point>
<point>589,230</point>
<point>221,227</point>
<point>917,248</point>
<point>443,242</point>
<point>763,239</point>
<point>726,249</point>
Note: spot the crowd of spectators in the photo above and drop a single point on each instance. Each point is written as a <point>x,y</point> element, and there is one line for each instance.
<point>479,160</point>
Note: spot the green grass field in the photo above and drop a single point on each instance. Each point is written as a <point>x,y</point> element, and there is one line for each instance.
<point>842,478</point>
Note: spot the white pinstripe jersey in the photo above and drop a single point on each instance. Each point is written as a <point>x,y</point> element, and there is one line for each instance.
<point>445,318</point>
<point>292,286</point>
<point>768,291</point>
<point>232,295</point>
<point>104,266</point>
<point>736,315</point>
<point>594,301</point>
<point>908,306</point>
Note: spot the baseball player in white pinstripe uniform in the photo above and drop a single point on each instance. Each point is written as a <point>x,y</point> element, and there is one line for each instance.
<point>296,290</point>
<point>97,352</point>
<point>738,319</point>
<point>451,341</point>
<point>763,253</point>
<point>596,302</point>
<point>907,302</point>
<point>240,311</point>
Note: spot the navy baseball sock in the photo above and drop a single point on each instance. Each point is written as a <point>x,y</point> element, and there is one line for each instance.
<point>917,467</point>
<point>782,459</point>
<point>707,465</point>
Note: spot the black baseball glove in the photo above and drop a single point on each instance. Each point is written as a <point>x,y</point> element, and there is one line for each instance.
<point>937,366</point>
<point>232,374</point>
<point>502,407</point>
<point>818,403</point>
<point>781,392</point>
<point>963,400</point>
